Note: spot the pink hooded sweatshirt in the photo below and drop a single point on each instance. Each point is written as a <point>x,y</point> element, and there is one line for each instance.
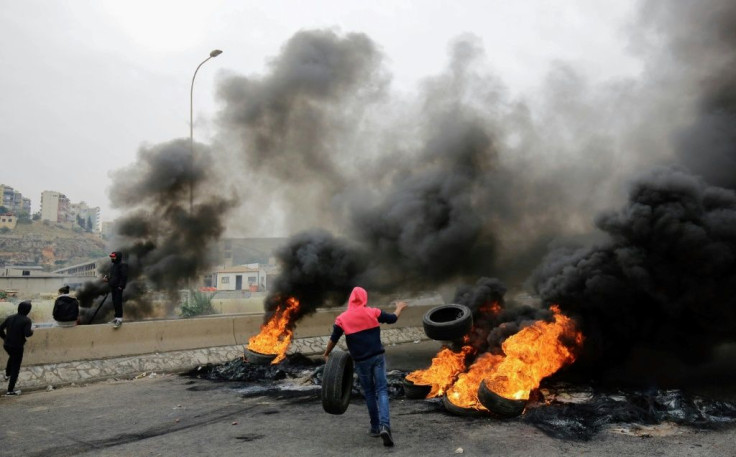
<point>361,325</point>
<point>358,316</point>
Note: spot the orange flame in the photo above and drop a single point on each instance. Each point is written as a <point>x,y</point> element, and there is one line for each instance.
<point>464,392</point>
<point>443,371</point>
<point>447,365</point>
<point>276,334</point>
<point>533,354</point>
<point>529,356</point>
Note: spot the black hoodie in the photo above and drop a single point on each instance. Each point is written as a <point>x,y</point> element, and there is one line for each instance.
<point>118,272</point>
<point>66,308</point>
<point>18,326</point>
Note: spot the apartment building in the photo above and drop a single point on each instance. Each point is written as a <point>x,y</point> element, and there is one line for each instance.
<point>14,201</point>
<point>54,206</point>
<point>85,216</point>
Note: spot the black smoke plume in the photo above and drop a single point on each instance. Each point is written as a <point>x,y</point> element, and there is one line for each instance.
<point>428,229</point>
<point>317,269</point>
<point>666,278</point>
<point>293,128</point>
<point>701,59</point>
<point>165,237</point>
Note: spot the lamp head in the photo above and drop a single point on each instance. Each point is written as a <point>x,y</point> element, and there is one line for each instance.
<point>215,53</point>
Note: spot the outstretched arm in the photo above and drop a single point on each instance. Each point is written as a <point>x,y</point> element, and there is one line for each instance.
<point>400,306</point>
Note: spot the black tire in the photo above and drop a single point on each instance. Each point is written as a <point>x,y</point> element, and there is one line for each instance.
<point>337,383</point>
<point>256,358</point>
<point>416,391</point>
<point>448,322</point>
<point>455,410</point>
<point>498,405</point>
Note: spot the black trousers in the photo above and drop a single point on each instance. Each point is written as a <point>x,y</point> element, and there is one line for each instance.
<point>12,369</point>
<point>117,301</point>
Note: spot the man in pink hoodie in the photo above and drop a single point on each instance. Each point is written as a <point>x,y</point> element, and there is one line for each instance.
<point>361,326</point>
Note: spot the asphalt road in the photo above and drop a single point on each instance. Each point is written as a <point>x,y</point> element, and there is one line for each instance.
<point>173,415</point>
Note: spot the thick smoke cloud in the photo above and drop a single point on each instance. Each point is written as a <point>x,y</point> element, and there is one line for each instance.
<point>428,229</point>
<point>462,180</point>
<point>318,269</point>
<point>165,242</point>
<point>293,128</point>
<point>666,279</point>
<point>702,60</point>
<point>660,288</point>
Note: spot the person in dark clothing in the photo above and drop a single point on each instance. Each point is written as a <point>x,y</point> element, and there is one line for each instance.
<point>14,330</point>
<point>117,279</point>
<point>361,326</point>
<point>66,309</point>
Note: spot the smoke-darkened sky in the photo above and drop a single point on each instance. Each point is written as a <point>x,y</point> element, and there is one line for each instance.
<point>87,83</point>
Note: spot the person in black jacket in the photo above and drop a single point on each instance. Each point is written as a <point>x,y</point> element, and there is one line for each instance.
<point>66,309</point>
<point>14,330</point>
<point>117,279</point>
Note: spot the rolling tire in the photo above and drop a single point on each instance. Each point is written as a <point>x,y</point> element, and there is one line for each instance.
<point>498,405</point>
<point>416,391</point>
<point>448,322</point>
<point>256,358</point>
<point>337,383</point>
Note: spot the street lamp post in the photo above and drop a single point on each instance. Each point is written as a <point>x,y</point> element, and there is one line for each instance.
<point>214,53</point>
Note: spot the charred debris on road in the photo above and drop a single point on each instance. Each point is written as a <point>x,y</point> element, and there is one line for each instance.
<point>559,409</point>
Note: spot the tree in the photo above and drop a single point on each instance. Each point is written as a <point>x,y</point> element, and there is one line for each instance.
<point>197,304</point>
<point>24,218</point>
<point>3,209</point>
<point>37,216</point>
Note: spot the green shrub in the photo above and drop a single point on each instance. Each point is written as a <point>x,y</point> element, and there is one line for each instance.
<point>197,304</point>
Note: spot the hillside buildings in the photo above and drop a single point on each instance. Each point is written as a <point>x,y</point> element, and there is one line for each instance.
<point>13,201</point>
<point>56,207</point>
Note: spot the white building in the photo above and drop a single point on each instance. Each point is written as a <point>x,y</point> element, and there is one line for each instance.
<point>253,277</point>
<point>54,206</point>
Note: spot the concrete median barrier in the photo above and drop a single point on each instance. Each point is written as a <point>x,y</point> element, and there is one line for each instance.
<point>56,356</point>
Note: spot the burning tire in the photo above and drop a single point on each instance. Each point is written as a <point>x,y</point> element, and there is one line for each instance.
<point>337,383</point>
<point>448,322</point>
<point>257,358</point>
<point>455,410</point>
<point>499,405</point>
<point>416,391</point>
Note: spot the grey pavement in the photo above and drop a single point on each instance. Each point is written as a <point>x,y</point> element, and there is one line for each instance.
<point>173,415</point>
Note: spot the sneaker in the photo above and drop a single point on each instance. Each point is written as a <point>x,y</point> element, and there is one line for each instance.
<point>117,322</point>
<point>385,433</point>
<point>374,432</point>
<point>12,393</point>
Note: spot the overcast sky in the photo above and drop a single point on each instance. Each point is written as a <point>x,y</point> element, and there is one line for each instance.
<point>86,83</point>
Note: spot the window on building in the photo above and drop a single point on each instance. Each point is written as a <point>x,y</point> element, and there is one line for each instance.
<point>225,280</point>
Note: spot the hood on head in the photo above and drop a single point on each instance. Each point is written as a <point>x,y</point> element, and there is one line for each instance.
<point>358,297</point>
<point>24,307</point>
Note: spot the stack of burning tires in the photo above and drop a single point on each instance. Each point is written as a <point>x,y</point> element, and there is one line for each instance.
<point>451,323</point>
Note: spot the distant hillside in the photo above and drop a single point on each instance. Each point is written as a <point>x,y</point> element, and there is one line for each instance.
<point>49,245</point>
<point>55,246</point>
